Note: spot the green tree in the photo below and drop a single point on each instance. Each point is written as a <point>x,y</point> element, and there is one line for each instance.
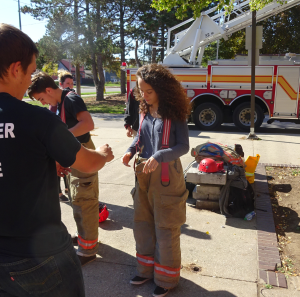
<point>101,48</point>
<point>183,6</point>
<point>63,30</point>
<point>228,49</point>
<point>151,27</point>
<point>77,29</point>
<point>154,29</point>
<point>281,32</point>
<point>50,68</point>
<point>275,26</point>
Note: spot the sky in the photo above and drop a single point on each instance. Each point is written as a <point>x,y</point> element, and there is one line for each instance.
<point>33,28</point>
<point>9,14</point>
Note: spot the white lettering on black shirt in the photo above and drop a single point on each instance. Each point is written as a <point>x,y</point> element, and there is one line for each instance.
<point>6,131</point>
<point>7,128</point>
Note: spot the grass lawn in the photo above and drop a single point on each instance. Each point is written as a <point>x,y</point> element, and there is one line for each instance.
<point>88,93</point>
<point>37,103</point>
<point>112,85</point>
<point>111,105</point>
<point>105,108</point>
<point>94,93</point>
<point>106,84</point>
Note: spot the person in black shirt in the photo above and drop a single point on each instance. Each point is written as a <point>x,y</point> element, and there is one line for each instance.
<point>65,81</point>
<point>84,187</point>
<point>131,116</point>
<point>36,252</point>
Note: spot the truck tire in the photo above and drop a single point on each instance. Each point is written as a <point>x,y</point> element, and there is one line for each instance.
<point>208,116</point>
<point>242,116</point>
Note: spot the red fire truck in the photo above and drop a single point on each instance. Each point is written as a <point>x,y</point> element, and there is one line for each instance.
<point>221,92</point>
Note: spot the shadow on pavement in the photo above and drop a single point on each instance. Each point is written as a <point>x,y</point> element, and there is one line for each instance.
<point>119,217</point>
<point>109,276</point>
<point>266,129</point>
<point>289,223</point>
<point>122,217</point>
<point>284,188</point>
<point>109,116</point>
<point>194,233</point>
<point>240,223</point>
<point>259,176</point>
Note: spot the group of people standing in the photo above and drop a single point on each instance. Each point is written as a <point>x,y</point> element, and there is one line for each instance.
<point>37,257</point>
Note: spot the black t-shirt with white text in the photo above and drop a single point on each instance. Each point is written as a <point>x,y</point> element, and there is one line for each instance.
<point>73,105</point>
<point>31,139</point>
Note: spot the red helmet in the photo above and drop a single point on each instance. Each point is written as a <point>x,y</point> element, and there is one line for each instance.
<point>103,212</point>
<point>208,165</point>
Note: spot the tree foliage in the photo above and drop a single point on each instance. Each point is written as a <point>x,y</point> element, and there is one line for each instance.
<point>183,6</point>
<point>281,32</point>
<point>227,49</point>
<point>78,30</point>
<point>152,29</point>
<point>50,68</point>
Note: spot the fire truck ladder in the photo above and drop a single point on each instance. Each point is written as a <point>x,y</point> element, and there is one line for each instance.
<point>207,29</point>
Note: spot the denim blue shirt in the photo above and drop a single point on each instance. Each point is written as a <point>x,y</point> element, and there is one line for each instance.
<point>151,140</point>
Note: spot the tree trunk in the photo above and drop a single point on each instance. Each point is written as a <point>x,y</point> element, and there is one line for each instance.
<point>162,42</point>
<point>137,61</point>
<point>99,97</point>
<point>153,58</point>
<point>122,45</point>
<point>77,66</point>
<point>77,75</point>
<point>101,82</point>
<point>97,66</point>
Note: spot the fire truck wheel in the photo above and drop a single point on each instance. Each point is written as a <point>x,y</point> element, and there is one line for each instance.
<point>208,116</point>
<point>242,116</point>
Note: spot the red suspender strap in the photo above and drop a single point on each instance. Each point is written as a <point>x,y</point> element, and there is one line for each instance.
<point>62,112</point>
<point>139,132</point>
<point>165,144</point>
<point>137,146</point>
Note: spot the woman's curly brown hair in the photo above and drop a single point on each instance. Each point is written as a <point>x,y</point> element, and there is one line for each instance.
<point>173,101</point>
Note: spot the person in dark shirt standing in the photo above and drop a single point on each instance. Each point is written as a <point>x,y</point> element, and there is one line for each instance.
<point>131,116</point>
<point>37,257</point>
<point>84,188</point>
<point>65,81</point>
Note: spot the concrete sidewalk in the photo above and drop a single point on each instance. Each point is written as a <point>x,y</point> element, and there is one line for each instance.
<point>225,250</point>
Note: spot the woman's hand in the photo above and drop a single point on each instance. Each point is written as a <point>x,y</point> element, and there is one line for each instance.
<point>125,159</point>
<point>150,165</point>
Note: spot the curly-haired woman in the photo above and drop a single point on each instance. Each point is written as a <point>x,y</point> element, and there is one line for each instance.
<point>160,193</point>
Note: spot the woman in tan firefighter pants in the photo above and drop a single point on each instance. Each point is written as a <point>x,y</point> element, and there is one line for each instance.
<point>160,193</point>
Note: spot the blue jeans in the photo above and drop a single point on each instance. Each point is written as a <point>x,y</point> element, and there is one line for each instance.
<point>59,275</point>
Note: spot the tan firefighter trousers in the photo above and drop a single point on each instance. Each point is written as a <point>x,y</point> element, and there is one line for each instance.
<point>159,212</point>
<point>84,192</point>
